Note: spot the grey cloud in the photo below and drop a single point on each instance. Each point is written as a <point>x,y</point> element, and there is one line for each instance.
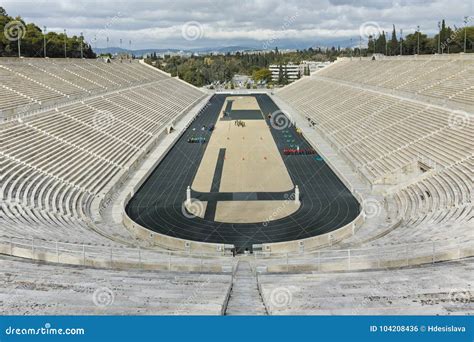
<point>226,22</point>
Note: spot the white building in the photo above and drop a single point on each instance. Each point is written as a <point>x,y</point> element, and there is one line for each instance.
<point>292,70</point>
<point>296,71</point>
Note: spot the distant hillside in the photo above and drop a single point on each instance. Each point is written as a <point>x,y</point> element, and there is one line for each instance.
<point>142,52</point>
<point>117,50</point>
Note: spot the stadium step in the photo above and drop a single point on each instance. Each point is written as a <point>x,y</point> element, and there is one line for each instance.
<point>245,298</point>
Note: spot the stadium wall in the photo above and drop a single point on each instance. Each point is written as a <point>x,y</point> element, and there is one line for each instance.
<point>113,257</point>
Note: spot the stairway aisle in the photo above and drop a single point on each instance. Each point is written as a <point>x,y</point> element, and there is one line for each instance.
<point>245,298</point>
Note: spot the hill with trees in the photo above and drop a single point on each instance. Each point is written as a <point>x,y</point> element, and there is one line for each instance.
<point>32,40</point>
<point>204,70</point>
<point>448,40</point>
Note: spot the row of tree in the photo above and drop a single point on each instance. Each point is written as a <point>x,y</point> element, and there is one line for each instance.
<point>203,70</point>
<point>208,69</point>
<point>448,40</point>
<point>32,40</point>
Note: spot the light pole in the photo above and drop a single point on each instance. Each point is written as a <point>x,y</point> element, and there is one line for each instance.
<point>44,41</point>
<point>465,32</point>
<point>19,42</point>
<point>351,49</point>
<point>439,37</point>
<point>360,47</point>
<point>374,39</point>
<point>401,42</point>
<point>418,48</point>
<point>65,44</point>
<point>82,50</point>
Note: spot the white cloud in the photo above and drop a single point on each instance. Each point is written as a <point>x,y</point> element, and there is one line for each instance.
<point>158,24</point>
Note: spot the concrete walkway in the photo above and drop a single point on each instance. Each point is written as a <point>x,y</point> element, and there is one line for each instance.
<point>245,298</point>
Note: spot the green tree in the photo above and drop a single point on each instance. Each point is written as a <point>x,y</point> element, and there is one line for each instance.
<point>204,70</point>
<point>371,45</point>
<point>280,74</point>
<point>262,75</point>
<point>381,44</point>
<point>393,42</point>
<point>285,76</point>
<point>32,41</point>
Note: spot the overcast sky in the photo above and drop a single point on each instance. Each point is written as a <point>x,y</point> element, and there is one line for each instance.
<point>255,23</point>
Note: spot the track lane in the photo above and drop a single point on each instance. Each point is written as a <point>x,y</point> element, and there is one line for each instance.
<point>326,204</point>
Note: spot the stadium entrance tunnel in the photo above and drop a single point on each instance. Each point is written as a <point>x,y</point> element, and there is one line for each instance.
<point>234,159</point>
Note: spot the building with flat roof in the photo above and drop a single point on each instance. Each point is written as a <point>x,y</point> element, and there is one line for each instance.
<point>293,71</point>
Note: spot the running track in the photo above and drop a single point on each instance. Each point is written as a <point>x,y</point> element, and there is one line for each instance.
<point>326,204</point>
